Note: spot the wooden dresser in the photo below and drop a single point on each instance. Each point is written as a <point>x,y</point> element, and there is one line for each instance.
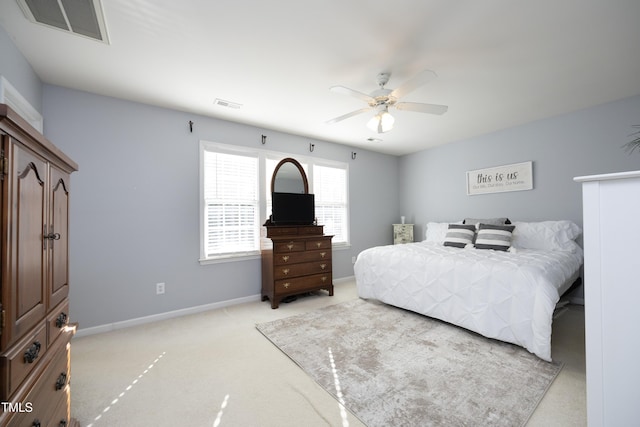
<point>295,260</point>
<point>34,330</point>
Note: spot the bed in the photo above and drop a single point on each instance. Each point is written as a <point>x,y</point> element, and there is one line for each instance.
<point>507,293</point>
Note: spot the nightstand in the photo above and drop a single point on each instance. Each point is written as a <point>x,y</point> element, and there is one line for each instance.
<point>402,233</point>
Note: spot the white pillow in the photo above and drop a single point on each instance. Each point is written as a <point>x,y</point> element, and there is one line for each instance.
<point>436,231</point>
<point>546,235</point>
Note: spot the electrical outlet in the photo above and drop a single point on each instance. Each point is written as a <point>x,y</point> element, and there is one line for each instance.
<point>159,288</point>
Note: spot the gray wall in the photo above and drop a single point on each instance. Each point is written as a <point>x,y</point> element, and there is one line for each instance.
<point>586,142</point>
<point>15,68</point>
<point>135,204</point>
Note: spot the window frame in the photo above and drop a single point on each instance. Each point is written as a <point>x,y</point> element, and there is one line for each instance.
<point>264,188</point>
<point>232,150</point>
<point>337,165</point>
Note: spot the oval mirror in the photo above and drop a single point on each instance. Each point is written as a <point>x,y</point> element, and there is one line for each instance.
<point>289,177</point>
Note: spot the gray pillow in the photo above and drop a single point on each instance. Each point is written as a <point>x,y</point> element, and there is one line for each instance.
<point>496,237</point>
<point>492,221</point>
<point>459,235</point>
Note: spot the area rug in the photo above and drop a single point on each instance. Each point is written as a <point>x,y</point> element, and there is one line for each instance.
<point>391,367</point>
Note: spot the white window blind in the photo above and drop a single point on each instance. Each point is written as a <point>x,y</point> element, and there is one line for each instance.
<point>231,204</point>
<point>330,189</point>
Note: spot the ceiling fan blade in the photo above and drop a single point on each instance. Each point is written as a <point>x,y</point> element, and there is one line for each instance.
<point>351,114</point>
<point>422,108</point>
<point>346,91</point>
<point>412,84</point>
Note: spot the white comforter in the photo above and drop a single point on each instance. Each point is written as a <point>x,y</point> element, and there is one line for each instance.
<point>507,296</point>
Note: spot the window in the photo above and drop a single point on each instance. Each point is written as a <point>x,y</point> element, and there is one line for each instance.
<point>235,193</point>
<point>330,189</point>
<point>231,207</point>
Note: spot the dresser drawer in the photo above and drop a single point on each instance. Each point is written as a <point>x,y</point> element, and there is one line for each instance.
<point>293,230</point>
<point>297,284</point>
<point>289,246</point>
<point>298,257</point>
<point>311,230</point>
<point>60,418</point>
<point>57,320</point>
<point>17,362</point>
<point>282,231</point>
<point>303,269</point>
<point>48,394</point>
<point>320,243</point>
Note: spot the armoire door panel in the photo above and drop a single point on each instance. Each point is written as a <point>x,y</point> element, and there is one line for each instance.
<point>59,245</point>
<point>28,220</point>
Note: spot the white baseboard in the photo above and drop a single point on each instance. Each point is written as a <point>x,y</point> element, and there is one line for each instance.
<point>177,313</point>
<point>343,280</point>
<point>163,316</point>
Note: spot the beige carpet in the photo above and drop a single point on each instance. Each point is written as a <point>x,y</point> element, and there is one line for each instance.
<point>218,369</point>
<point>391,367</point>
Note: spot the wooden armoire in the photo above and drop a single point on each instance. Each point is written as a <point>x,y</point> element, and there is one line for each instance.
<point>35,332</point>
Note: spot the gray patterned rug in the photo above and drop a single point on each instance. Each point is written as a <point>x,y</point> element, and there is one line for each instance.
<point>392,367</point>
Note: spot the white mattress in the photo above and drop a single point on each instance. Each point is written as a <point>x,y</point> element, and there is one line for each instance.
<point>507,296</point>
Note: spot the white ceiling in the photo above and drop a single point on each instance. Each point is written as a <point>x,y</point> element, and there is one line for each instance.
<point>500,63</point>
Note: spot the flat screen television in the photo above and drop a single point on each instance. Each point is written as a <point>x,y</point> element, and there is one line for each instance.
<point>292,209</point>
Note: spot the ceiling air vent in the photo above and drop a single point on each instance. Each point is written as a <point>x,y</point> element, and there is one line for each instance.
<point>228,104</point>
<point>81,17</point>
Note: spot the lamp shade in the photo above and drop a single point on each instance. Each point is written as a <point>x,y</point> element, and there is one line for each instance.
<point>381,122</point>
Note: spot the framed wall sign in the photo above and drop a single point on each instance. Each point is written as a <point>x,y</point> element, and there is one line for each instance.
<point>515,177</point>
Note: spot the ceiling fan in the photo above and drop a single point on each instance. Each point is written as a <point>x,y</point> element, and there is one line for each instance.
<point>380,100</point>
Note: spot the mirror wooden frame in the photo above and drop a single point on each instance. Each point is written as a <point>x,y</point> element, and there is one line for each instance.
<point>296,164</point>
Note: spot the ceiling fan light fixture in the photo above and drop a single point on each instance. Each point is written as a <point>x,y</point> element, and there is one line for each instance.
<point>381,122</point>
<point>380,100</point>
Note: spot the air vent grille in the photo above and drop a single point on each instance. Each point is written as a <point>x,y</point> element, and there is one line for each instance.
<point>82,17</point>
<point>228,104</point>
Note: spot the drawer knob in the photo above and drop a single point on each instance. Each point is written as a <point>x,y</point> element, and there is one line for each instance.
<point>61,381</point>
<point>61,320</point>
<point>290,245</point>
<point>32,354</point>
<point>324,279</point>
<point>63,423</point>
<point>285,258</point>
<point>323,254</point>
<point>285,271</point>
<point>286,285</point>
<point>323,266</point>
<point>35,423</point>
<point>318,244</point>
